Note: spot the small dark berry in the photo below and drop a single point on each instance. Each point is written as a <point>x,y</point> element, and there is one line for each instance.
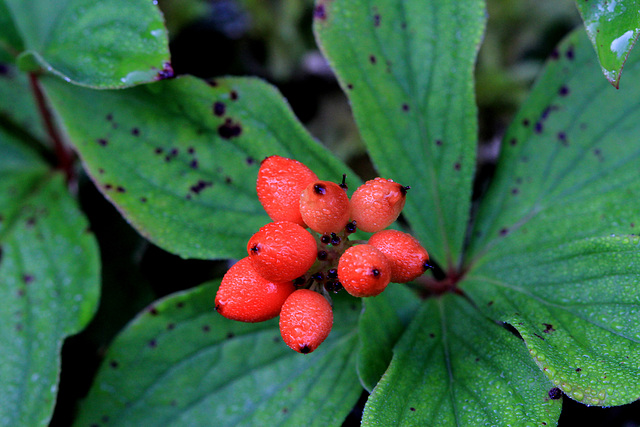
<point>351,227</point>
<point>322,255</point>
<point>332,273</point>
<point>335,239</point>
<point>318,277</point>
<point>326,239</point>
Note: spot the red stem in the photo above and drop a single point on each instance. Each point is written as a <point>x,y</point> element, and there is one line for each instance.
<point>63,154</point>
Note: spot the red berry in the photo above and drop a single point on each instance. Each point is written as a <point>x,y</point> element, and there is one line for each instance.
<point>305,320</point>
<point>376,204</point>
<point>407,258</point>
<point>282,251</point>
<point>324,207</point>
<point>364,271</point>
<point>280,182</point>
<point>246,296</point>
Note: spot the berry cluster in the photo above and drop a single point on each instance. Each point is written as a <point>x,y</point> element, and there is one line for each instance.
<point>290,271</point>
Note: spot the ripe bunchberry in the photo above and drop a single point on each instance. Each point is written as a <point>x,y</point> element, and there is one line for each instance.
<point>377,203</point>
<point>282,251</point>
<point>407,258</point>
<point>324,207</point>
<point>305,320</point>
<point>364,271</point>
<point>279,185</point>
<point>246,296</point>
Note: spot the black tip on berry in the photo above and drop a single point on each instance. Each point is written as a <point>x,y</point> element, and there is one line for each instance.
<point>344,182</point>
<point>320,189</point>
<point>255,248</point>
<point>404,190</point>
<point>426,266</point>
<point>375,272</point>
<point>326,239</point>
<point>305,349</point>
<point>322,255</point>
<point>351,227</point>
<point>335,239</point>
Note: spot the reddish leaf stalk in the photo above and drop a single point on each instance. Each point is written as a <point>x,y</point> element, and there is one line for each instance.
<point>63,154</point>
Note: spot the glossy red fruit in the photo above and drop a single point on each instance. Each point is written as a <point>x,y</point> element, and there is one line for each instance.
<point>279,185</point>
<point>407,258</point>
<point>305,320</point>
<point>324,207</point>
<point>376,204</point>
<point>246,296</point>
<point>364,271</point>
<point>282,251</point>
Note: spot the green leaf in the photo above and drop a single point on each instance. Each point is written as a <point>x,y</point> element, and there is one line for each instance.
<point>180,363</point>
<point>613,27</point>
<point>554,251</point>
<point>381,324</point>
<point>180,158</point>
<point>18,110</point>
<point>453,366</point>
<point>407,68</point>
<point>104,44</point>
<point>10,42</point>
<point>49,272</point>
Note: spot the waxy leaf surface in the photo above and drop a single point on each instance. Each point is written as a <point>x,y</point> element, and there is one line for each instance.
<point>613,27</point>
<point>100,44</point>
<point>555,251</point>
<point>407,68</point>
<point>180,158</point>
<point>49,282</point>
<point>181,363</point>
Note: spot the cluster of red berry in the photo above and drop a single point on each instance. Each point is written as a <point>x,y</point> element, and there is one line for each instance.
<point>290,270</point>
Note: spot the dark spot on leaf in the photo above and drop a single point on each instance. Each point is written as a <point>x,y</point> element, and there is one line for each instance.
<point>212,82</point>
<point>166,72</point>
<point>153,311</point>
<point>438,142</point>
<point>105,419</point>
<point>539,336</point>
<point>457,166</point>
<point>276,338</point>
<point>504,231</point>
<point>100,171</point>
<point>563,138</point>
<point>477,359</point>
<point>405,107</point>
<point>153,343</point>
<point>538,127</point>
<point>206,328</point>
<point>233,95</point>
<point>143,199</point>
<point>376,20</point>
<point>180,304</point>
<point>578,369</point>
<point>563,91</point>
<point>109,116</point>
<point>372,59</point>
<point>513,141</point>
<point>632,225</point>
<point>412,409</point>
<point>285,410</point>
<point>403,25</point>
<point>114,364</point>
<point>171,326</point>
<point>191,150</point>
<point>490,303</point>
<point>158,150</point>
<point>103,142</point>
<point>515,191</point>
<point>135,131</point>
<point>555,393</point>
<point>120,189</point>
<point>548,328</point>
<point>19,327</point>
<point>250,160</point>
<point>525,122</point>
<point>569,53</point>
<point>229,129</point>
<point>27,278</point>
<point>108,187</point>
<point>228,180</point>
<point>200,185</point>
<point>219,109</point>
<point>350,86</point>
<point>31,221</point>
<point>21,293</point>
<point>319,12</point>
<point>193,164</point>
